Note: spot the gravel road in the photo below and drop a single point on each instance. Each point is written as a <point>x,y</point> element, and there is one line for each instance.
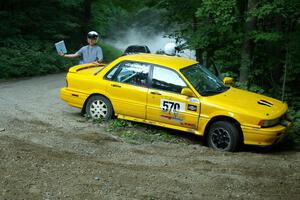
<point>47,151</point>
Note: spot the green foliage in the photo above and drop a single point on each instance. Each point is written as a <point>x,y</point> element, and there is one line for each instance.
<point>116,124</point>
<point>29,58</point>
<point>30,28</point>
<point>109,52</point>
<point>293,137</point>
<point>140,133</point>
<point>259,36</point>
<point>252,87</point>
<point>265,36</point>
<point>106,14</point>
<point>295,116</point>
<point>218,13</point>
<point>26,46</point>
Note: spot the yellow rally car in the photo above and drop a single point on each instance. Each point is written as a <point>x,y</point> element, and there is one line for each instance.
<point>176,93</point>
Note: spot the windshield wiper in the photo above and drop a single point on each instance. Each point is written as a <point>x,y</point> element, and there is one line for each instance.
<point>210,92</point>
<point>217,91</point>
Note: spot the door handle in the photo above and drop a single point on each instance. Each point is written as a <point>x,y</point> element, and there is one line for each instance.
<point>114,85</point>
<point>155,93</point>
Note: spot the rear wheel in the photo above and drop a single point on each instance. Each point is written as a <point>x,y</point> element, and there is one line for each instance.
<point>224,136</point>
<point>99,107</point>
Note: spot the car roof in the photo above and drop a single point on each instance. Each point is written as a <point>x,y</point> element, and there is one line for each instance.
<point>158,59</point>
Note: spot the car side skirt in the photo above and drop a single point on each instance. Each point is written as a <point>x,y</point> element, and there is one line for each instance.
<point>158,124</point>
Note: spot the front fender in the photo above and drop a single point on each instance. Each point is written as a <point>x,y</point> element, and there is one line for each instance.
<point>204,119</point>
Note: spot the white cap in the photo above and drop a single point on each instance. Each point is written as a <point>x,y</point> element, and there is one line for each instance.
<point>92,34</point>
<point>170,49</point>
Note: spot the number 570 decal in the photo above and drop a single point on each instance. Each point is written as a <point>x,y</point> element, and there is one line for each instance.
<point>171,106</point>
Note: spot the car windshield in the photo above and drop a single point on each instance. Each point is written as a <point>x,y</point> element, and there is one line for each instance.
<point>203,80</point>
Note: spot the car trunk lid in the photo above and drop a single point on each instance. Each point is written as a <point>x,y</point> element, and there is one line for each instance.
<point>87,69</point>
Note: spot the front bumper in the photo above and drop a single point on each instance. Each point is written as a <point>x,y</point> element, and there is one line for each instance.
<point>265,136</point>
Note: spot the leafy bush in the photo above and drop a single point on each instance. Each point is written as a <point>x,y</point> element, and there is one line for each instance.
<point>23,58</point>
<point>109,52</point>
<point>294,133</point>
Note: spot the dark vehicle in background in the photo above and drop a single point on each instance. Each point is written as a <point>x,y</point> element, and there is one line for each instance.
<point>134,49</point>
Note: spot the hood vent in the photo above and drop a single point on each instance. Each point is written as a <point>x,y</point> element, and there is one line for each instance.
<point>265,103</point>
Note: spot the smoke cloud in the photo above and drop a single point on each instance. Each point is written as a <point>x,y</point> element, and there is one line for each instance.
<point>155,42</point>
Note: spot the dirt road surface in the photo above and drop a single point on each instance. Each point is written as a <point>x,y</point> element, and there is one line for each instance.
<point>48,152</point>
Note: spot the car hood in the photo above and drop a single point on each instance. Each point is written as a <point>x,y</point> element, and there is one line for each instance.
<point>242,101</point>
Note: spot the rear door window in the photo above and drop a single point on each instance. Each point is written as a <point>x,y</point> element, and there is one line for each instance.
<point>133,73</point>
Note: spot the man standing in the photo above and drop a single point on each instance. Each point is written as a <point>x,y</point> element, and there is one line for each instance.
<point>89,53</point>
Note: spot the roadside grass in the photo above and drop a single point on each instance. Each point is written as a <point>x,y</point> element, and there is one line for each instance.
<point>138,133</point>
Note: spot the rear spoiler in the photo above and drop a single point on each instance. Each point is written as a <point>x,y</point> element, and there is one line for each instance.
<point>78,68</point>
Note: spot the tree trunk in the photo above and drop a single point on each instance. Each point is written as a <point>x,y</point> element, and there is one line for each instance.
<point>248,44</point>
<point>209,57</point>
<point>199,56</point>
<point>199,51</point>
<point>245,61</point>
<point>87,12</point>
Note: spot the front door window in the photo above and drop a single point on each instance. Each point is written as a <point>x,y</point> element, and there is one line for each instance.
<point>167,80</point>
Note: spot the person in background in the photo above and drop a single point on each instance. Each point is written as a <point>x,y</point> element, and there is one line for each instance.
<point>170,49</point>
<point>89,53</point>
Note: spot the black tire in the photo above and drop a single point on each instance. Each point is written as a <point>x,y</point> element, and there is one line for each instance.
<point>224,136</point>
<point>98,107</point>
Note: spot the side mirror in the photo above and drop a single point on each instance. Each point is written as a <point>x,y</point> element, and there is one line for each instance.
<point>187,92</point>
<point>228,80</point>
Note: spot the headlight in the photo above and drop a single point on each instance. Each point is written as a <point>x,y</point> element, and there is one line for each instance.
<point>269,123</point>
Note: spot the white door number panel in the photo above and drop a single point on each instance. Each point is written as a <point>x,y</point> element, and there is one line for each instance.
<point>171,106</point>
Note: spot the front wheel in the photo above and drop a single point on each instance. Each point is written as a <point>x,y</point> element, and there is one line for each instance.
<point>99,107</point>
<point>223,136</point>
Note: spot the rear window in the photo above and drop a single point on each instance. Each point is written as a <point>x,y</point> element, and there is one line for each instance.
<point>136,49</point>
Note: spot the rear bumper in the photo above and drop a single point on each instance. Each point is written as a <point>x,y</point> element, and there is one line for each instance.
<point>73,98</point>
<point>265,136</point>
